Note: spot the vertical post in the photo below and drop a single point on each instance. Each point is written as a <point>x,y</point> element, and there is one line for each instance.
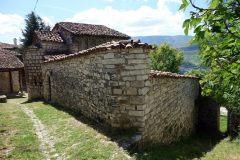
<point>10,77</point>
<point>20,80</point>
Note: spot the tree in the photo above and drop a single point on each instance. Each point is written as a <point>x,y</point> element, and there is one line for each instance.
<point>33,23</point>
<point>199,73</point>
<point>166,58</point>
<point>217,32</point>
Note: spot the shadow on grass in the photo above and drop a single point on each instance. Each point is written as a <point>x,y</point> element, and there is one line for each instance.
<point>118,135</point>
<point>194,146</point>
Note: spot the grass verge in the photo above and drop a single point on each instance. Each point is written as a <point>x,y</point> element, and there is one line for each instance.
<point>17,134</point>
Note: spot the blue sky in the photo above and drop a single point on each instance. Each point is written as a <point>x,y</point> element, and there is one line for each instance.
<point>133,17</point>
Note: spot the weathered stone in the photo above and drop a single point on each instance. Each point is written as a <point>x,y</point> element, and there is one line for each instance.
<point>136,113</point>
<point>137,84</point>
<point>117,91</point>
<point>129,78</point>
<point>142,77</point>
<point>109,55</point>
<point>132,92</point>
<point>137,100</point>
<point>3,99</point>
<point>143,91</point>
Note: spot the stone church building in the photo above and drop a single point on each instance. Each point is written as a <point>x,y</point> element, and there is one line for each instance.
<point>107,77</point>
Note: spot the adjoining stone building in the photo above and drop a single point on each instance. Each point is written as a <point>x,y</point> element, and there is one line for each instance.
<point>74,66</point>
<point>65,38</point>
<point>10,72</point>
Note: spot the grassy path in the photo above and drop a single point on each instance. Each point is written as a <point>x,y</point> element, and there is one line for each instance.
<point>54,133</point>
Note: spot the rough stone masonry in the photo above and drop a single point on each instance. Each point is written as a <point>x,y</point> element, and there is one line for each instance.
<point>113,83</point>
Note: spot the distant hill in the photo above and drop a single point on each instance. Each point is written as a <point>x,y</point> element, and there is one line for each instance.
<point>175,41</point>
<point>179,41</point>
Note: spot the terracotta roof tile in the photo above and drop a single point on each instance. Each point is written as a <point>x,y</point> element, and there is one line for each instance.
<point>9,61</point>
<point>124,44</point>
<point>155,74</point>
<point>7,46</point>
<point>10,52</point>
<point>54,57</point>
<point>91,29</point>
<point>49,36</point>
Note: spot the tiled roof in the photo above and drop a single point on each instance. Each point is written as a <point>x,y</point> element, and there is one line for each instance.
<point>9,61</point>
<point>7,46</point>
<point>91,29</point>
<point>49,36</point>
<point>53,57</point>
<point>10,52</point>
<point>169,75</point>
<point>124,44</point>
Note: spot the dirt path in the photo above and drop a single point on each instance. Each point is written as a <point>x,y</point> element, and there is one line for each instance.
<point>47,145</point>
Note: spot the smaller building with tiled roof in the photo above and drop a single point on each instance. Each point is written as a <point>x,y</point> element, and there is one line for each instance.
<point>74,37</point>
<point>90,30</point>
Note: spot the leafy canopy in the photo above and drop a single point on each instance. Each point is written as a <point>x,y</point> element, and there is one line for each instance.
<point>33,23</point>
<point>217,32</point>
<point>166,58</point>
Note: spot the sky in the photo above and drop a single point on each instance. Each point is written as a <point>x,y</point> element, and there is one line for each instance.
<point>132,17</point>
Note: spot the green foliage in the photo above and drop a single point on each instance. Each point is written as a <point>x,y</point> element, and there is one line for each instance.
<point>33,23</point>
<point>217,33</point>
<point>199,73</point>
<point>166,58</point>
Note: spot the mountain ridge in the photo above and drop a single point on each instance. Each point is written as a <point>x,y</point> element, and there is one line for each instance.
<point>176,41</point>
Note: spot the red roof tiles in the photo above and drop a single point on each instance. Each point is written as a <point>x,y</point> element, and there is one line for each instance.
<point>9,61</point>
<point>49,36</point>
<point>91,29</point>
<point>7,46</point>
<point>124,44</point>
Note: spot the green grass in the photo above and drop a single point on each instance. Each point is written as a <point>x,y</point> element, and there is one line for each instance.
<point>77,137</point>
<point>223,123</point>
<point>74,136</point>
<point>17,139</point>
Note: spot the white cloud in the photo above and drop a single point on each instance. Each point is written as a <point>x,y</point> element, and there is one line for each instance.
<point>9,24</point>
<point>47,20</point>
<point>10,27</point>
<point>144,21</point>
<point>109,0</point>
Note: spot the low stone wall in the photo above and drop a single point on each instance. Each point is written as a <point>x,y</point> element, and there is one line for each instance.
<point>171,109</point>
<point>107,85</point>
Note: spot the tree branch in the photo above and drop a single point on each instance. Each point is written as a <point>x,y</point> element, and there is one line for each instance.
<point>217,9</point>
<point>224,68</point>
<point>230,31</point>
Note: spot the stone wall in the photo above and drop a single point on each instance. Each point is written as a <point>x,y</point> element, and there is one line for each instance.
<point>32,59</point>
<point>54,47</point>
<point>103,85</point>
<point>171,109</point>
<point>115,87</point>
<point>5,85</point>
